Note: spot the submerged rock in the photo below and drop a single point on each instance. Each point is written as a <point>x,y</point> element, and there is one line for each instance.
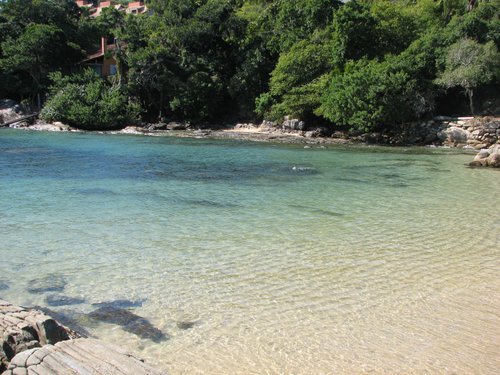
<point>49,283</point>
<point>130,322</point>
<point>60,300</point>
<point>120,303</point>
<point>4,285</point>
<point>185,325</point>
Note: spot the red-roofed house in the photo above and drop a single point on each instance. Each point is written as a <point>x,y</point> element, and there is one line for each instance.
<point>136,7</point>
<point>102,61</point>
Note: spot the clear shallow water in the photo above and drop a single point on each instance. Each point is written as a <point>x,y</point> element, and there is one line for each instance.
<point>289,260</point>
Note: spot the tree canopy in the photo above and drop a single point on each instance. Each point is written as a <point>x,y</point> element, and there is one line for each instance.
<point>362,64</point>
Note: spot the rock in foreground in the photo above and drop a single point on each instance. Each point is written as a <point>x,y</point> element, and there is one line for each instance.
<point>487,158</point>
<point>22,329</point>
<point>33,343</point>
<point>80,356</point>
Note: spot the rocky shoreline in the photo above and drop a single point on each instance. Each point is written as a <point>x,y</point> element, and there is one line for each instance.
<point>475,133</point>
<point>34,343</point>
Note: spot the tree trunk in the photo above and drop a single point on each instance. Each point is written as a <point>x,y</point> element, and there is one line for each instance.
<point>470,5</point>
<point>470,93</point>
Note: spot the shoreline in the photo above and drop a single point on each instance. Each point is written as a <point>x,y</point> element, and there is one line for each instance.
<point>477,134</point>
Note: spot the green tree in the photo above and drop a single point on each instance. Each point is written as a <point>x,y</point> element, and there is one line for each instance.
<point>295,84</point>
<point>39,50</point>
<point>88,102</point>
<point>470,65</point>
<point>367,95</point>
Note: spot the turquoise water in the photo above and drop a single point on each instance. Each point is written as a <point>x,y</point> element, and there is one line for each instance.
<point>286,259</point>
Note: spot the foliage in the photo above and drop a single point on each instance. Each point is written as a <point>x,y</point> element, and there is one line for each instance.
<point>368,94</point>
<point>358,63</point>
<point>295,81</point>
<point>38,37</point>
<point>35,53</point>
<point>469,65</point>
<point>88,102</point>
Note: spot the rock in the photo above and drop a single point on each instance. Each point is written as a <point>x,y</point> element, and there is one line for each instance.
<point>487,158</point>
<point>69,319</point>
<point>157,126</point>
<point>22,329</point>
<point>60,300</point>
<point>293,124</point>
<point>133,130</point>
<point>482,154</point>
<point>176,126</point>
<point>479,146</point>
<point>456,135</point>
<point>49,283</point>
<point>54,127</point>
<point>185,325</point>
<point>79,356</point>
<point>129,321</point>
<point>476,163</point>
<point>120,303</point>
<point>268,125</point>
<point>494,160</point>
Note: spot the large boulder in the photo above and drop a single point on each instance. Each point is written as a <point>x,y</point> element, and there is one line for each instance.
<point>9,110</point>
<point>293,124</point>
<point>454,136</point>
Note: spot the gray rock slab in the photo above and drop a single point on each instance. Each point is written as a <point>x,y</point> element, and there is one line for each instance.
<point>22,329</point>
<point>80,356</point>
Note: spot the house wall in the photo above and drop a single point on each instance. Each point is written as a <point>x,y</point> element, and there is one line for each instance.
<point>107,66</point>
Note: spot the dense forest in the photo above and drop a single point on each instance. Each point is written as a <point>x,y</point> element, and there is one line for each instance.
<point>355,64</point>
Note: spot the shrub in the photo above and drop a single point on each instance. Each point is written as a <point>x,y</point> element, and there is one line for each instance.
<point>368,94</point>
<point>88,102</point>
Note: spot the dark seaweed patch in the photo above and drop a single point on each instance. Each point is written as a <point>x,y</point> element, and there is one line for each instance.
<point>130,322</point>
<point>120,304</point>
<point>4,285</point>
<point>184,325</point>
<point>49,283</point>
<point>60,300</point>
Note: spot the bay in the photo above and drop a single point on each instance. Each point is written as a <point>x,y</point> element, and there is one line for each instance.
<point>259,258</point>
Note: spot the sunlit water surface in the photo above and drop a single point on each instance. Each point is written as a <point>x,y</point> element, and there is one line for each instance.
<point>287,260</point>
